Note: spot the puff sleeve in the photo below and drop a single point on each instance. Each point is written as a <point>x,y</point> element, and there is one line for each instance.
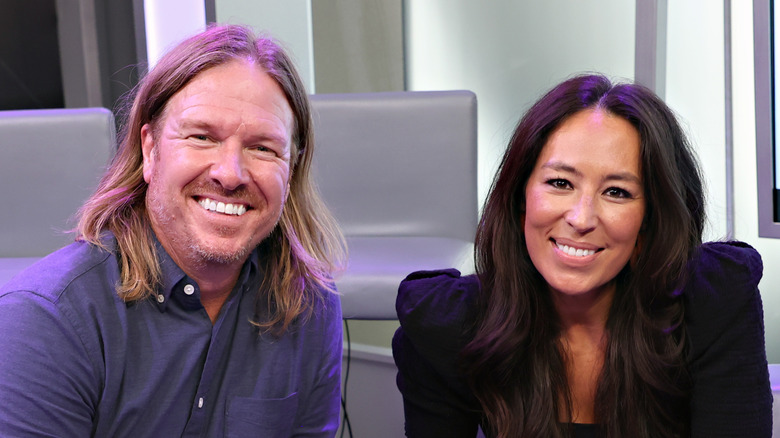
<point>435,310</point>
<point>731,395</point>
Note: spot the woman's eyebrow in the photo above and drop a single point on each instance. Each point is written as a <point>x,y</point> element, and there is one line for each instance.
<point>620,176</point>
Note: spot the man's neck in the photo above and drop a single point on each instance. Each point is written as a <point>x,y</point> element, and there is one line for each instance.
<point>215,284</point>
<point>215,280</point>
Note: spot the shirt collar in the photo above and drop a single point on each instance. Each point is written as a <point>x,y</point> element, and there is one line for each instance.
<point>174,279</point>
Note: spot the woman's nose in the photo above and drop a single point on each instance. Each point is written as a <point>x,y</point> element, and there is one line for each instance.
<point>582,214</point>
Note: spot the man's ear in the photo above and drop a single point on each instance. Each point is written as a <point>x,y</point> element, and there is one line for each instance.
<point>147,149</point>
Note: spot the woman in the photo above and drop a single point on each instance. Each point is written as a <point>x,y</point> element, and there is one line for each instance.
<point>595,310</point>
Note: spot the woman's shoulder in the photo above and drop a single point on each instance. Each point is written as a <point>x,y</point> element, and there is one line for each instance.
<point>442,298</point>
<point>721,292</point>
<point>436,309</point>
<point>724,325</point>
<point>721,270</point>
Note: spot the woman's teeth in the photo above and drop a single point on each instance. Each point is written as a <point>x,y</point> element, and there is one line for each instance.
<point>575,252</point>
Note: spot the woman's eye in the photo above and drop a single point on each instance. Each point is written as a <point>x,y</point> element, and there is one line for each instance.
<point>616,192</point>
<point>559,183</point>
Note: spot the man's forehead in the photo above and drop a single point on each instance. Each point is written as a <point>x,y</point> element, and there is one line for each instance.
<point>235,86</point>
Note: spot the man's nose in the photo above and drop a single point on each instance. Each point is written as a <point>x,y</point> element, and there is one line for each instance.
<point>229,168</point>
<point>582,214</point>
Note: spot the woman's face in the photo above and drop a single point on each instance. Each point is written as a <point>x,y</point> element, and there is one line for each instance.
<point>584,204</point>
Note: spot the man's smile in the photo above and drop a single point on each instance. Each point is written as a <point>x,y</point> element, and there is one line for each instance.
<point>221,207</point>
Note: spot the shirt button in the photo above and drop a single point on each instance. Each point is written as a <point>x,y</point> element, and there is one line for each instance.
<point>160,298</point>
<point>200,402</point>
<point>189,289</point>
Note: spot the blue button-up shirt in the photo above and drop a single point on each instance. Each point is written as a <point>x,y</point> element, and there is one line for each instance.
<point>77,361</point>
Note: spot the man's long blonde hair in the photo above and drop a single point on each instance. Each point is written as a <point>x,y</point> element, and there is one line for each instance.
<point>300,255</point>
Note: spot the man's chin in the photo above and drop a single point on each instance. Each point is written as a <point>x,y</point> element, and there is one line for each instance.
<point>223,256</point>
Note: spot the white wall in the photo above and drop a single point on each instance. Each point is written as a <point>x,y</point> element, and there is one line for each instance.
<point>170,21</point>
<point>288,21</point>
<point>510,53</point>
<point>695,91</point>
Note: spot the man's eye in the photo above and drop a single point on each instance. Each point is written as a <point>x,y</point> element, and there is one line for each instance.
<point>200,137</point>
<point>265,150</point>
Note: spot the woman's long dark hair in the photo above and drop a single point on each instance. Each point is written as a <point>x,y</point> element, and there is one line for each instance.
<point>514,362</point>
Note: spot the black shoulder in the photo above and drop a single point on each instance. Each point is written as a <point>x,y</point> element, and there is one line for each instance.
<point>435,309</point>
<point>723,271</point>
<point>722,293</point>
<point>724,325</point>
<point>438,303</point>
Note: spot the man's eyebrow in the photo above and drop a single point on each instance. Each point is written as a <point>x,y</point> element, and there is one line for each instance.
<point>190,123</point>
<point>186,122</point>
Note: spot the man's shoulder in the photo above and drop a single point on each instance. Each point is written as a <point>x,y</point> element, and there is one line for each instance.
<point>63,270</point>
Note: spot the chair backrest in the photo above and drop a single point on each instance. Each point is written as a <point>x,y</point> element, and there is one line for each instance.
<point>394,164</point>
<point>50,162</point>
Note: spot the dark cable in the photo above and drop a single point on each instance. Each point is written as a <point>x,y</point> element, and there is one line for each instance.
<point>345,418</point>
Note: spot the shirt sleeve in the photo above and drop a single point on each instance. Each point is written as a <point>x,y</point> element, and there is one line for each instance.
<point>46,379</point>
<point>433,308</point>
<point>318,415</point>
<point>731,395</point>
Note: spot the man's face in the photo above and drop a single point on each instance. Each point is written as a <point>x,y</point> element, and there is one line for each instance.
<point>218,166</point>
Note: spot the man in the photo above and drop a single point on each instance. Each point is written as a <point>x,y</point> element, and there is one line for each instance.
<point>198,299</point>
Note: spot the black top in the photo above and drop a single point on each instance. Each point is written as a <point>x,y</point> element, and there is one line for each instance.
<point>727,362</point>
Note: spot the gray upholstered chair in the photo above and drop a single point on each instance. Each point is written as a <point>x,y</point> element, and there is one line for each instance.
<point>50,161</point>
<point>399,171</point>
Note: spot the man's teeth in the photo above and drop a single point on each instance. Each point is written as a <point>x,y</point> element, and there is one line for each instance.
<point>575,252</point>
<point>221,207</point>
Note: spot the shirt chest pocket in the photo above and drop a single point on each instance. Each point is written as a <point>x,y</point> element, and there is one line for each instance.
<point>253,417</point>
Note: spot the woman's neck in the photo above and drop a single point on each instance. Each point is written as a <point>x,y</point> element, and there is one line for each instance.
<point>583,343</point>
<point>584,314</point>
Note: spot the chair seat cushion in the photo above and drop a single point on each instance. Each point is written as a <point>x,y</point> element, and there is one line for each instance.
<point>378,264</point>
